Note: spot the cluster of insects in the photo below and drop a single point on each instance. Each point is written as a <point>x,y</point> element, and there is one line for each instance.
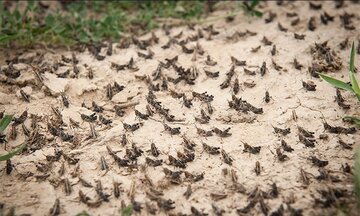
<point>171,78</point>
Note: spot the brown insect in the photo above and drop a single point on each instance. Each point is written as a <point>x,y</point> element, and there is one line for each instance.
<point>286,147</point>
<point>62,169</point>
<point>249,72</point>
<point>237,62</point>
<point>211,74</point>
<point>280,155</point>
<point>209,61</point>
<point>194,177</point>
<point>67,186</point>
<point>340,100</point>
<point>325,18</point>
<point>153,163</point>
<point>154,150</point>
<point>306,133</point>
<point>146,56</point>
<point>186,50</point>
<point>315,6</point>
<point>21,119</point>
<point>173,176</point>
<point>311,24</point>
<point>346,168</point>
<point>316,161</point>
<point>13,132</point>
<point>172,131</point>
<point>295,21</point>
<point>203,132</point>
<point>9,167</point>
<point>257,168</point>
<point>263,69</point>
<point>266,41</point>
<point>299,36</point>
<point>176,162</point>
<point>276,66</point>
<point>227,159</point>
<point>118,88</point>
<point>25,96</point>
<point>89,118</point>
<point>211,150</point>
<point>273,50</point>
<point>188,192</point>
<point>270,18</point>
<point>55,209</point>
<point>309,85</point>
<point>109,92</point>
<point>116,186</point>
<point>345,145</point>
<point>25,130</point>
<point>188,144</point>
<point>204,97</point>
<point>236,86</point>
<point>338,130</point>
<point>124,140</point>
<point>222,133</point>
<point>75,70</point>
<point>209,108</point>
<point>119,111</point>
<point>90,74</point>
<point>133,127</point>
<point>255,49</point>
<point>85,183</point>
<point>103,164</point>
<point>281,131</point>
<point>282,28</point>
<point>344,44</point>
<point>324,136</point>
<point>97,108</point>
<point>99,190</point>
<point>141,115</point>
<point>83,198</point>
<point>247,208</point>
<point>297,65</point>
<point>308,142</point>
<point>267,97</point>
<point>65,100</point>
<point>251,149</point>
<point>187,102</point>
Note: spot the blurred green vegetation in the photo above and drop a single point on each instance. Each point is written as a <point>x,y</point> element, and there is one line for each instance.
<point>87,21</point>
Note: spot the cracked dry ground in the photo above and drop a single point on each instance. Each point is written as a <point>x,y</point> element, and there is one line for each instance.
<point>178,122</point>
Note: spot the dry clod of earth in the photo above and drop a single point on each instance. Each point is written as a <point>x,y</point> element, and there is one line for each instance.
<point>176,122</point>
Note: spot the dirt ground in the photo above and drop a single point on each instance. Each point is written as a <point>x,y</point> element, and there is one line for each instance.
<point>61,155</point>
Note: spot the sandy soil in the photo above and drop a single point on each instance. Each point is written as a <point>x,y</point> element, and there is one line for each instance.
<point>38,179</point>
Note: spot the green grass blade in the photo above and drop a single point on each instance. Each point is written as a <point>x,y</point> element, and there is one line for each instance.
<point>352,119</point>
<point>127,211</point>
<point>254,3</point>
<point>352,58</point>
<point>336,83</point>
<point>12,153</point>
<point>84,213</point>
<point>258,13</point>
<point>354,83</point>
<point>5,121</point>
<point>357,176</point>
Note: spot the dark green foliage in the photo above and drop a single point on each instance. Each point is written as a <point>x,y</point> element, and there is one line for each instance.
<point>83,21</point>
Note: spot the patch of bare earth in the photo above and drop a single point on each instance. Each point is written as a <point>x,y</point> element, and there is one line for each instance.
<point>280,155</point>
